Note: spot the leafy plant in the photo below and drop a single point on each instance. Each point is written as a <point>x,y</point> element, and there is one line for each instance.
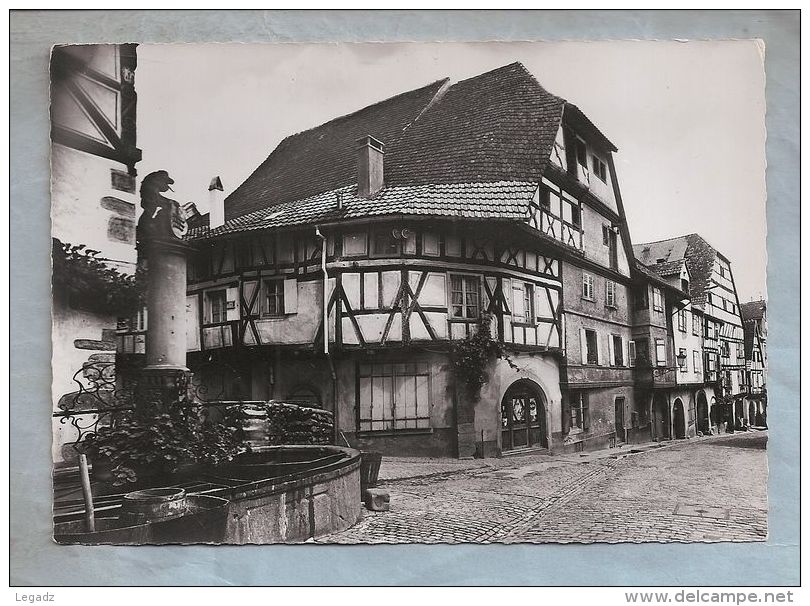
<point>92,284</point>
<point>138,445</point>
<point>471,356</point>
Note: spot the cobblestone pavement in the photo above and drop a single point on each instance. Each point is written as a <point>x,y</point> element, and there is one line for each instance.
<point>707,489</point>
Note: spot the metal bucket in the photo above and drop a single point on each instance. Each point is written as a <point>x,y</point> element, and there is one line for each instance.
<point>152,505</point>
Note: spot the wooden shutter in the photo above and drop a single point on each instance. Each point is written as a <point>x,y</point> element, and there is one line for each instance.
<point>192,323</point>
<point>599,358</point>
<point>232,303</point>
<point>626,349</point>
<point>631,353</point>
<point>583,344</point>
<point>611,351</point>
<point>291,296</point>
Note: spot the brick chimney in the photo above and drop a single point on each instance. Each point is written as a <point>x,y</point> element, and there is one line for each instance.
<point>370,153</point>
<point>216,203</point>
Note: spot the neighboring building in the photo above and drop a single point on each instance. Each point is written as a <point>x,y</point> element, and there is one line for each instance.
<point>668,340</point>
<point>93,201</point>
<point>429,211</point>
<point>713,294</point>
<point>755,325</point>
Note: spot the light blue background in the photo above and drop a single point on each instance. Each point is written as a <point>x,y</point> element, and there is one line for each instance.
<point>35,560</point>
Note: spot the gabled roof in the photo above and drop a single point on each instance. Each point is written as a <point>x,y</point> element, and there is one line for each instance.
<point>649,274</point>
<point>667,269</point>
<point>698,254</point>
<point>753,310</point>
<point>324,158</point>
<point>496,127</point>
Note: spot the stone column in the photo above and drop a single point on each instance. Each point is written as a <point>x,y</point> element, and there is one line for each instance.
<point>166,376</point>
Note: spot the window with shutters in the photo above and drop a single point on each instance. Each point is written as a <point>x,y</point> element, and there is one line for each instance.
<point>631,353</point>
<point>658,300</point>
<point>695,324</point>
<point>522,302</point>
<point>579,412</point>
<point>587,287</point>
<point>273,299</point>
<point>682,320</point>
<point>618,350</point>
<point>591,344</point>
<point>740,351</point>
<point>394,397</point>
<point>216,308</point>
<point>660,352</point>
<point>610,293</point>
<point>576,216</point>
<point>599,168</point>
<point>696,360</point>
<point>464,296</point>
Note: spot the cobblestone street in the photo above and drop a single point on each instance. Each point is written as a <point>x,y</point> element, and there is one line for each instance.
<point>704,489</point>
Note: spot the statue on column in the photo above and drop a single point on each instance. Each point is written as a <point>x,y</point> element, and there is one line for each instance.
<point>162,218</point>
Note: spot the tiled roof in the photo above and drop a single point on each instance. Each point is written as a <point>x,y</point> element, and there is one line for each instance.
<point>499,200</point>
<point>654,277</point>
<point>753,310</point>
<point>699,256</point>
<point>665,270</point>
<point>496,127</point>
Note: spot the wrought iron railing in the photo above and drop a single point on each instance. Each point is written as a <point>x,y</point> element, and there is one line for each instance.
<point>99,396</point>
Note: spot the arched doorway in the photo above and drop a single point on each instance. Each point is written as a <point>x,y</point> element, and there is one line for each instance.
<point>661,417</point>
<point>702,413</point>
<point>679,420</point>
<point>523,416</point>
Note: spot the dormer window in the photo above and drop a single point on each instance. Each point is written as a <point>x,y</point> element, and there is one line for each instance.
<point>599,168</point>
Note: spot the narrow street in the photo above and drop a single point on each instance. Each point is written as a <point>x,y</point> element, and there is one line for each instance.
<point>705,489</point>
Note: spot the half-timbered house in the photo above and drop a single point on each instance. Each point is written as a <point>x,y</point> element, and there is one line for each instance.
<point>669,352</point>
<point>713,293</point>
<point>93,157</point>
<point>345,267</point>
<point>755,326</point>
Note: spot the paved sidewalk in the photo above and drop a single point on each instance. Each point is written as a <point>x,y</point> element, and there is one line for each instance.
<point>705,489</point>
<point>399,468</point>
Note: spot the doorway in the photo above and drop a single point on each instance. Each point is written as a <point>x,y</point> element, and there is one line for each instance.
<point>619,418</point>
<point>703,413</point>
<point>679,419</point>
<point>661,417</point>
<point>523,417</point>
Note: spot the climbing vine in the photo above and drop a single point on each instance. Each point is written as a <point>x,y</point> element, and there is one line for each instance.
<point>91,284</point>
<point>471,356</point>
